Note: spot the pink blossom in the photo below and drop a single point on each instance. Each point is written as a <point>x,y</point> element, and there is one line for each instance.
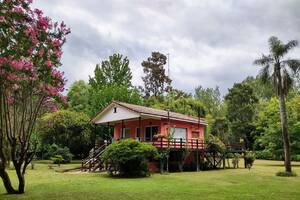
<point>44,22</point>
<point>2,19</point>
<point>57,74</point>
<point>11,100</point>
<point>48,63</point>
<point>41,52</point>
<point>38,12</point>
<point>51,90</point>
<point>3,60</point>
<point>17,10</point>
<point>17,64</point>
<point>12,77</point>
<point>56,42</point>
<point>15,86</point>
<point>58,53</point>
<point>30,50</point>
<point>53,108</point>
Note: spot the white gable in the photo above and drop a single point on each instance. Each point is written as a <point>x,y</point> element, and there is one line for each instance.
<point>115,113</point>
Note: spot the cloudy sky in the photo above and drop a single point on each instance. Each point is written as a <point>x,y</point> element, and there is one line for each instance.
<point>210,42</point>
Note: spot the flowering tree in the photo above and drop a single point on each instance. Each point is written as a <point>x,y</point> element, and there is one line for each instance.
<point>30,51</point>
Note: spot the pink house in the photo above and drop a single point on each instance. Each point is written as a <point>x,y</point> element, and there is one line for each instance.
<point>182,134</point>
<point>151,125</point>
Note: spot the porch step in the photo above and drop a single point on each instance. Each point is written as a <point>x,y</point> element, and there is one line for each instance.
<point>93,162</point>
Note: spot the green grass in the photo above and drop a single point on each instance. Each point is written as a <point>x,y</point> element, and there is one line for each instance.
<point>258,183</point>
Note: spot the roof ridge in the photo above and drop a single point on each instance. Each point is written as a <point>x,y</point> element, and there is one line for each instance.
<point>157,109</point>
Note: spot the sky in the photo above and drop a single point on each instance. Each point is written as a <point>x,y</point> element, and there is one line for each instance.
<point>210,42</point>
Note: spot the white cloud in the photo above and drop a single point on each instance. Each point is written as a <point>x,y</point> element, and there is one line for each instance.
<point>210,42</point>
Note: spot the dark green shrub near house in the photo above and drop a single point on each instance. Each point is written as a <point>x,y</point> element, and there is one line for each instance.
<point>214,145</point>
<point>128,158</point>
<point>54,151</point>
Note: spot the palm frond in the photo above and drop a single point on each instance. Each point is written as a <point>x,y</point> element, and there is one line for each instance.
<point>290,45</point>
<point>264,74</point>
<point>264,60</point>
<point>274,44</point>
<point>293,64</point>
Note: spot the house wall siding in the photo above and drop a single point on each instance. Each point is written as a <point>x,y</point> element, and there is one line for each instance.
<point>162,124</point>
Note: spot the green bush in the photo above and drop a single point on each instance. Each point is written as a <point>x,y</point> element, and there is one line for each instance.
<point>264,154</point>
<point>54,151</point>
<point>215,145</point>
<point>249,159</point>
<point>129,158</point>
<point>296,157</point>
<point>286,174</point>
<point>57,159</point>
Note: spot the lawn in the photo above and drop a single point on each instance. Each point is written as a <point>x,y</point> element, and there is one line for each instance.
<point>258,183</point>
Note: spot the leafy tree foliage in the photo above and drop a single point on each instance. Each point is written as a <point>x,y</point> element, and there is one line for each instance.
<point>240,104</point>
<point>30,52</point>
<point>100,98</point>
<point>155,79</point>
<point>268,137</point>
<point>66,129</point>
<point>211,99</point>
<point>114,71</point>
<point>129,157</point>
<point>280,72</point>
<point>112,81</point>
<point>58,154</point>
<point>78,96</point>
<point>220,129</point>
<point>264,91</point>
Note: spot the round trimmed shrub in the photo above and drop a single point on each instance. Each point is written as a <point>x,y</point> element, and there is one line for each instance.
<point>128,158</point>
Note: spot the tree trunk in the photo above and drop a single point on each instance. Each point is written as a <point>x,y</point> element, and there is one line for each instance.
<point>285,133</point>
<point>7,183</point>
<point>21,179</point>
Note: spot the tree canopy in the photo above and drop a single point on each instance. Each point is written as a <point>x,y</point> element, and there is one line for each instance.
<point>156,82</point>
<point>240,104</point>
<point>30,53</point>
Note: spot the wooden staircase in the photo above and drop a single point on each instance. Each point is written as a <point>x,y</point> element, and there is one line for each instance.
<point>93,162</point>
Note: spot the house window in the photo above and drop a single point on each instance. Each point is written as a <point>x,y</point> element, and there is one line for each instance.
<point>150,131</point>
<point>126,133</point>
<point>179,133</point>
<point>115,109</point>
<point>138,132</point>
<point>195,134</point>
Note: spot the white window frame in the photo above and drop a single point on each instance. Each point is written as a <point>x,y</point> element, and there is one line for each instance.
<point>124,131</point>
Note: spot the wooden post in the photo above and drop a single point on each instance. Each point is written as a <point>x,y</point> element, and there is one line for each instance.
<point>94,145</point>
<point>161,142</point>
<point>122,129</point>
<point>224,156</point>
<point>140,127</point>
<point>180,143</point>
<point>197,159</point>
<point>168,162</point>
<point>245,160</point>
<point>108,128</point>
<point>214,156</point>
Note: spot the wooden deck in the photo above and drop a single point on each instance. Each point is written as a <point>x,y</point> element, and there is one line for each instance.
<point>192,145</point>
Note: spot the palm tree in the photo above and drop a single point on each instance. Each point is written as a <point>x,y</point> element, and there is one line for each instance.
<point>279,72</point>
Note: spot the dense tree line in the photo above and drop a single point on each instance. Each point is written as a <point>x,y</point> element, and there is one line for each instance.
<point>249,112</point>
